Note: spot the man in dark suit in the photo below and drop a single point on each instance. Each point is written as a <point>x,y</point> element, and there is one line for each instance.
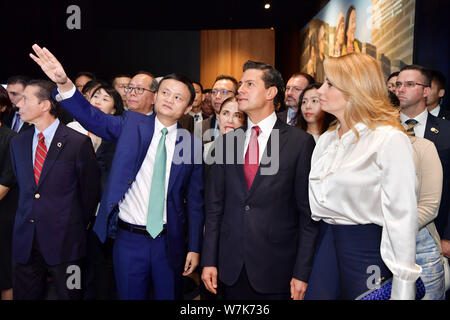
<point>437,92</point>
<point>412,89</point>
<point>294,88</point>
<point>58,178</point>
<point>223,88</point>
<point>15,86</point>
<point>154,192</point>
<point>259,235</point>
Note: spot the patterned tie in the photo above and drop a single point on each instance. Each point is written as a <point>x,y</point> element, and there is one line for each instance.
<point>411,123</point>
<point>16,126</point>
<point>196,116</point>
<point>252,157</point>
<point>41,154</point>
<point>156,203</point>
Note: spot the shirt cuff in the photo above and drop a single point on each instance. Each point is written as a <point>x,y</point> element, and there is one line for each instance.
<point>65,95</point>
<point>403,289</point>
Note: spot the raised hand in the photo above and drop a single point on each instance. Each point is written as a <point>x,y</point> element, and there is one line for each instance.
<point>50,65</point>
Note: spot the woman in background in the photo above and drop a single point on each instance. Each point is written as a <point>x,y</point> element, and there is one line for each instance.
<point>350,44</point>
<point>311,117</point>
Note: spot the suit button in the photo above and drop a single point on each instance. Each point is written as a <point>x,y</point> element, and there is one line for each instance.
<point>32,221</point>
<point>37,195</point>
<point>247,208</point>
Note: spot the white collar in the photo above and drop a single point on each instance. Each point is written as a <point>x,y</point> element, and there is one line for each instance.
<point>266,125</point>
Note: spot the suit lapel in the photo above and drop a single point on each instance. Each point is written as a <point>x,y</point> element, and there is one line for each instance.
<point>146,129</point>
<point>432,129</point>
<point>176,168</point>
<point>58,143</point>
<point>27,152</point>
<point>282,130</point>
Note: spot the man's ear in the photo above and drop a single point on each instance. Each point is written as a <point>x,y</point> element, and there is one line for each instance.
<point>271,93</point>
<point>441,93</point>
<point>188,109</point>
<point>426,91</point>
<point>46,106</point>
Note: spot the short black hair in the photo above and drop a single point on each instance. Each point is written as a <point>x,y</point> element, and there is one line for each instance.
<point>119,75</point>
<point>439,78</point>
<point>227,77</point>
<point>18,79</point>
<point>207,90</point>
<point>393,74</point>
<point>86,74</point>
<point>92,84</point>
<point>44,92</point>
<point>182,78</point>
<point>118,102</point>
<point>426,73</point>
<point>199,84</point>
<point>308,77</point>
<point>271,77</point>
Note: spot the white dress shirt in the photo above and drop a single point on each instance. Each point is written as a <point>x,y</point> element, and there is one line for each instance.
<point>371,181</point>
<point>435,111</point>
<point>133,208</point>
<point>266,127</point>
<point>419,128</point>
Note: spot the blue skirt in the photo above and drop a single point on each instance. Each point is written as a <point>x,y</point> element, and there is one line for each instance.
<point>347,262</point>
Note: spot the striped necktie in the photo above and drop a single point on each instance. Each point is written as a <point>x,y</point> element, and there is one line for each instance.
<point>411,123</point>
<point>158,188</point>
<point>41,154</point>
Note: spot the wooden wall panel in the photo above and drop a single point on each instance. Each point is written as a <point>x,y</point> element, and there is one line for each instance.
<point>225,51</point>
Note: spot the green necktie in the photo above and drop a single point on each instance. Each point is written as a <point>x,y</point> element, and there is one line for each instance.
<point>156,203</point>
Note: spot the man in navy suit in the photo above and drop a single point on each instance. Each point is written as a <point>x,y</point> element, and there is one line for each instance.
<point>259,235</point>
<point>437,93</point>
<point>15,87</point>
<point>412,89</point>
<point>58,178</point>
<point>156,173</point>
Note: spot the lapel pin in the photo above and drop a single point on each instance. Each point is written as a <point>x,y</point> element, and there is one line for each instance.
<point>60,144</point>
<point>434,130</point>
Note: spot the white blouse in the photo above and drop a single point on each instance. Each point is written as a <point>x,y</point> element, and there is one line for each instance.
<point>369,181</point>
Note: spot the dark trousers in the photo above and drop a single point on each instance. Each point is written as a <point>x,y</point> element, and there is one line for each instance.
<point>141,262</point>
<point>345,261</point>
<point>243,290</point>
<point>30,279</point>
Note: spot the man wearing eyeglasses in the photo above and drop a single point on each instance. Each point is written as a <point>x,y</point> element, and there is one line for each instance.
<point>140,93</point>
<point>294,88</point>
<point>412,89</point>
<point>223,88</point>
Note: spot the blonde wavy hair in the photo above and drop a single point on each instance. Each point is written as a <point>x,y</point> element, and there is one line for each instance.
<point>360,79</point>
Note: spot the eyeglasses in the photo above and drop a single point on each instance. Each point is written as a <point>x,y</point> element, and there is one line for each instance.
<point>137,90</point>
<point>408,84</point>
<point>223,92</point>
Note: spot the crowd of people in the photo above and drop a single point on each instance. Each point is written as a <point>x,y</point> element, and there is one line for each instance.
<point>156,188</point>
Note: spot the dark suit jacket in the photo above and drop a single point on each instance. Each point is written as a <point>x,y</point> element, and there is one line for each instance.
<point>282,115</point>
<point>438,131</point>
<point>269,227</point>
<point>8,122</point>
<point>444,114</point>
<point>58,209</point>
<point>187,122</point>
<point>208,127</point>
<point>132,133</point>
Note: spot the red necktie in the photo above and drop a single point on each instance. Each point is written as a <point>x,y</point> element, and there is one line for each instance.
<point>252,157</point>
<point>41,154</point>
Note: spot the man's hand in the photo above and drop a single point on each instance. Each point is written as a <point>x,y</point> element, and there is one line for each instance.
<point>209,278</point>
<point>445,247</point>
<point>52,68</point>
<point>298,289</point>
<point>192,261</point>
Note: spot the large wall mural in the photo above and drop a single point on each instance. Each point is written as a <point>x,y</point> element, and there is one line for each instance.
<point>383,29</point>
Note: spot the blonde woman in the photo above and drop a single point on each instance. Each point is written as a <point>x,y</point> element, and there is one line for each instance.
<point>362,182</point>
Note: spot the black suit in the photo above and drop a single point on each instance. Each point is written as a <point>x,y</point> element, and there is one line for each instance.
<point>8,121</point>
<point>269,227</point>
<point>444,114</point>
<point>438,131</point>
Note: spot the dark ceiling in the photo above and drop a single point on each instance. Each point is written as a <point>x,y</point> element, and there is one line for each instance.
<point>162,14</point>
